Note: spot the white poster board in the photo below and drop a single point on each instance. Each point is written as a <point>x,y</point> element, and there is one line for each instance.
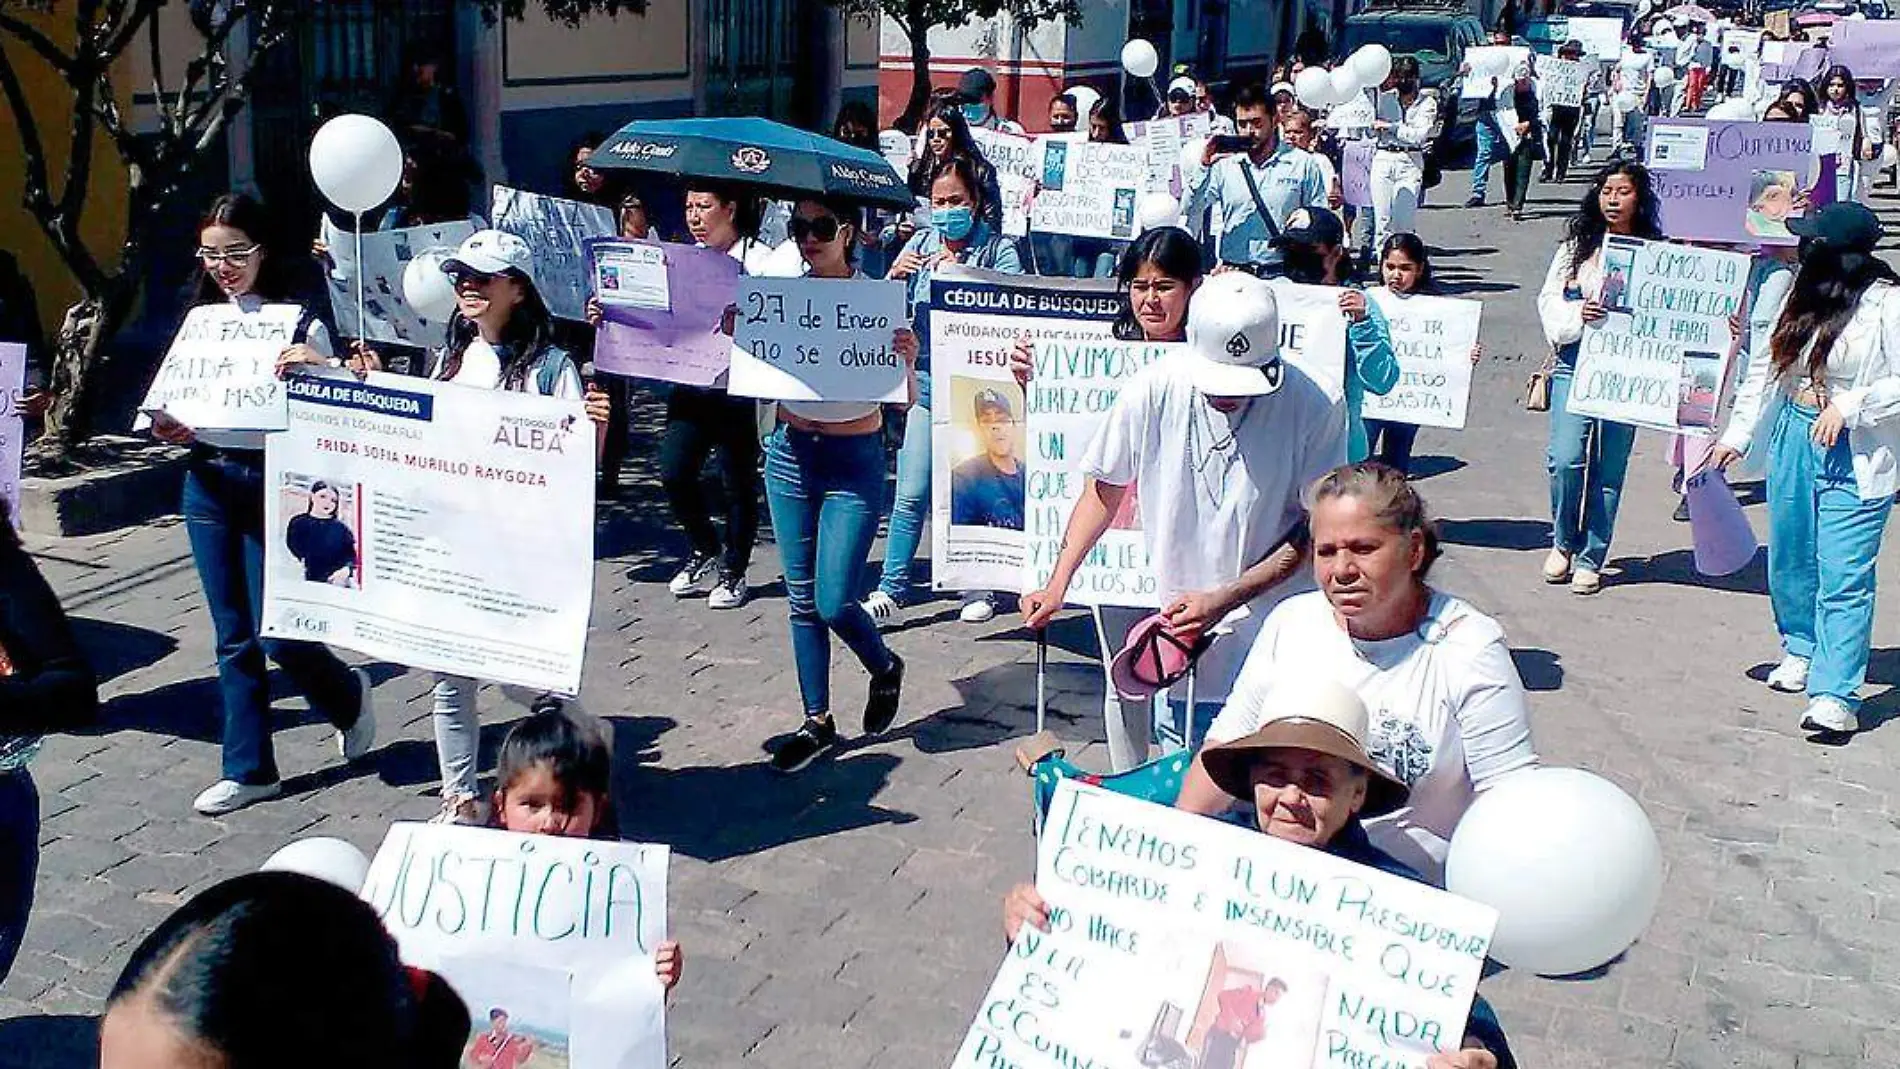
<point>1313,331</point>
<point>1497,61</point>
<point>220,373</point>
<point>1162,141</point>
<point>1433,338</point>
<point>1161,921</point>
<point>458,535</point>
<point>386,255</point>
<point>819,339</point>
<point>12,424</point>
<point>1563,81</point>
<point>558,933</point>
<point>1018,163</point>
<point>1600,37</point>
<point>1089,189</point>
<point>1660,356</point>
<point>555,231</point>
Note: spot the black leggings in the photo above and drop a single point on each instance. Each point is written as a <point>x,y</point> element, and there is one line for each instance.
<point>700,422</point>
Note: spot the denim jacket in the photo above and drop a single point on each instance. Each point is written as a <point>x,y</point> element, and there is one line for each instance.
<point>986,249</point>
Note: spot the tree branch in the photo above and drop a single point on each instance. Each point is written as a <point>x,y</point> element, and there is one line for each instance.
<point>38,42</point>
<point>37,197</point>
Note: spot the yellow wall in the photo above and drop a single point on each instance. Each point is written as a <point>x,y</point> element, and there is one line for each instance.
<point>604,60</point>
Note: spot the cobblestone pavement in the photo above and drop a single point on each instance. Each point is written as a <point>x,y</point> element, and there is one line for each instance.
<point>849,916</point>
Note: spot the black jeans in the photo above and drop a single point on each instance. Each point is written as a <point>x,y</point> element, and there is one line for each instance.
<point>19,860</point>
<point>1563,140</point>
<point>613,447</point>
<point>700,422</point>
<point>1519,167</point>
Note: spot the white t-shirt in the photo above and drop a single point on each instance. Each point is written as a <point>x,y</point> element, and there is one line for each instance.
<point>481,368</point>
<point>1217,491</point>
<point>1448,714</point>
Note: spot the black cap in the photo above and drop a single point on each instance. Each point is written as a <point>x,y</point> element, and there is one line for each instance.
<point>976,84</point>
<point>987,399</point>
<point>1843,225</point>
<point>1312,226</point>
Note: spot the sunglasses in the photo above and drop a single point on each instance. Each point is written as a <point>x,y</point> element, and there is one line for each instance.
<point>823,229</point>
<point>471,278</point>
<point>237,256</point>
<point>935,133</point>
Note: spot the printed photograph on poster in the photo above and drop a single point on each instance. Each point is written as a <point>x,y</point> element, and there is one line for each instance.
<point>1774,197</point>
<point>1701,389</point>
<point>322,534</point>
<point>1738,181</point>
<point>632,275</point>
<point>519,1015</point>
<point>1619,259</point>
<point>1224,1004</point>
<point>987,473</point>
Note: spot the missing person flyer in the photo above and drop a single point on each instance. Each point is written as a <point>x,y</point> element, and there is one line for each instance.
<point>438,526</point>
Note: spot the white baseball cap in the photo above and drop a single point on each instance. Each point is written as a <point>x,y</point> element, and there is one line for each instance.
<point>493,252</point>
<point>1233,337</point>
<point>1184,84</point>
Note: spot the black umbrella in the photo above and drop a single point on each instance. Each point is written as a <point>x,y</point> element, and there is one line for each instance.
<point>771,157</point>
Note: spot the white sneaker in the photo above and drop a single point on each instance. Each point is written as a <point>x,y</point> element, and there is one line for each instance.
<point>695,578</point>
<point>463,810</point>
<point>229,796</point>
<point>1556,566</point>
<point>1829,714</point>
<point>730,593</point>
<point>881,607</point>
<point>1790,676</point>
<point>1585,581</point>
<point>980,611</point>
<point>356,741</point>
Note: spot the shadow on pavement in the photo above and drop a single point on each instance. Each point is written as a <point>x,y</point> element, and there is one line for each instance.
<point>49,1042</point>
<point>1428,465</point>
<point>1496,534</point>
<point>115,649</point>
<point>191,708</point>
<point>1677,568</point>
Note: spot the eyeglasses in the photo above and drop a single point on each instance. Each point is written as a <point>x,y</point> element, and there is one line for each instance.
<point>237,256</point>
<point>823,229</point>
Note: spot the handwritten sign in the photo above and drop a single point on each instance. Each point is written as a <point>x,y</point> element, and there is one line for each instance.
<point>12,424</point>
<point>1658,359</point>
<point>1868,47</point>
<point>387,316</point>
<point>1176,940</point>
<point>683,342</point>
<point>1600,37</point>
<point>1018,164</point>
<point>1563,81</point>
<point>816,339</point>
<point>1497,62</point>
<point>1162,140</point>
<point>1355,114</point>
<point>1355,172</point>
<point>1730,181</point>
<point>1089,189</point>
<point>221,371</point>
<point>1313,331</point>
<point>1433,338</point>
<point>556,231</point>
<point>579,916</point>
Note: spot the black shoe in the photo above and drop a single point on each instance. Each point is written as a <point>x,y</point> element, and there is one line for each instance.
<point>1545,176</point>
<point>812,738</point>
<point>1475,202</point>
<point>1681,515</point>
<point>880,708</point>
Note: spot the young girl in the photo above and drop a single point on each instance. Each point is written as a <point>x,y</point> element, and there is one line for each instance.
<point>552,778</point>
<point>1314,242</point>
<point>1406,270</point>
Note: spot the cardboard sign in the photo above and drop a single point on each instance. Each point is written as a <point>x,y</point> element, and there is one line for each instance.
<point>387,316</point>
<point>1600,37</point>
<point>1870,48</point>
<point>1089,189</point>
<point>1433,338</point>
<point>1018,163</point>
<point>556,231</point>
<point>220,373</point>
<point>1163,140</point>
<point>1563,82</point>
<point>1730,181</point>
<point>684,342</point>
<point>817,339</point>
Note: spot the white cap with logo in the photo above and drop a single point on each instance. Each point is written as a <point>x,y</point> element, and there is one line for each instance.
<point>1233,337</point>
<point>493,252</point>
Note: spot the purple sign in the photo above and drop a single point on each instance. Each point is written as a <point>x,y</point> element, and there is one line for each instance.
<point>12,424</point>
<point>1869,48</point>
<point>674,330</point>
<point>1355,173</point>
<point>1798,60</point>
<point>1736,182</point>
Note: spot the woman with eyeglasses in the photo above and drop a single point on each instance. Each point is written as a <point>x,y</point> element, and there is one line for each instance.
<point>224,521</point>
<point>824,484</point>
<point>500,337</point>
<point>959,233</point>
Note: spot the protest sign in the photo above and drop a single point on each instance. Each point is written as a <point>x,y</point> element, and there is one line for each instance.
<point>221,371</point>
<point>1563,81</point>
<point>1729,181</point>
<point>1600,37</point>
<point>1355,172</point>
<point>1313,331</point>
<point>12,424</point>
<point>1433,338</point>
<point>557,933</point>
<point>1740,47</point>
<point>387,316</point>
<point>1167,930</point>
<point>453,529</point>
<point>683,342</point>
<point>1497,62</point>
<point>1018,164</point>
<point>1162,140</point>
<point>1783,61</point>
<point>819,339</point>
<point>556,231</point>
<point>979,472</point>
<point>1660,355</point>
<point>1868,47</point>
<point>1355,114</point>
<point>1089,189</point>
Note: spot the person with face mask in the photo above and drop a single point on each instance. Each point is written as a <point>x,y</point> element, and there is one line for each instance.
<point>1062,114</point>
<point>1254,191</point>
<point>977,89</point>
<point>1398,164</point>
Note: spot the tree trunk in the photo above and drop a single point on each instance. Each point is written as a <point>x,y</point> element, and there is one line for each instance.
<point>77,353</point>
<point>919,34</point>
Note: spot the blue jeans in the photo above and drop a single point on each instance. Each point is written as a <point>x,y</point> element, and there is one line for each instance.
<point>911,506</point>
<point>1822,543</point>
<point>224,521</point>
<point>19,860</point>
<point>823,492</point>
<point>1586,460</point>
<point>1490,150</point>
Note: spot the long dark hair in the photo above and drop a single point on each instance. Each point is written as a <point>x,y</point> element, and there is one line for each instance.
<point>1586,229</point>
<point>1845,75</point>
<point>438,185</point>
<point>1801,87</point>
<point>1171,249</point>
<point>608,196</point>
<point>268,969</point>
<point>241,211</point>
<point>574,753</point>
<point>529,332</point>
<point>1110,113</point>
<point>966,169</point>
<point>859,114</point>
<point>1827,289</point>
<point>923,169</point>
<point>1412,247</point>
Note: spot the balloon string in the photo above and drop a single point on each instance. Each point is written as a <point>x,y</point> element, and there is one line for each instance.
<point>361,332</point>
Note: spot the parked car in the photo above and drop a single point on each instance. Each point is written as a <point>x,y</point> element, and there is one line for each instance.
<point>1437,35</point>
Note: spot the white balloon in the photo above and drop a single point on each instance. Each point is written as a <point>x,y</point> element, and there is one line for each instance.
<point>426,289</point>
<point>1140,59</point>
<point>1857,16</point>
<point>1665,77</point>
<point>1085,99</point>
<point>1156,210</point>
<point>1626,101</point>
<point>1889,155</point>
<point>1342,85</point>
<point>1497,65</point>
<point>1734,110</point>
<point>356,162</point>
<point>1314,88</point>
<point>330,860</point>
<point>1373,64</point>
<point>1569,861</point>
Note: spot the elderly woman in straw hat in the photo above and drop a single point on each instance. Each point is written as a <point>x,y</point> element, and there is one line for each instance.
<point>1311,781</point>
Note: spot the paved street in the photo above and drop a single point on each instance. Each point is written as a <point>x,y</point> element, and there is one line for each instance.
<point>848,917</point>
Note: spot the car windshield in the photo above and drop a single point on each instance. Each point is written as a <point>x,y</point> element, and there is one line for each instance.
<point>1402,37</point>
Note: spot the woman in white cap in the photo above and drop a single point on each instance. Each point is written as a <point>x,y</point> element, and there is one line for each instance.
<point>1398,165</point>
<point>1221,438</point>
<point>500,337</point>
<point>1448,711</point>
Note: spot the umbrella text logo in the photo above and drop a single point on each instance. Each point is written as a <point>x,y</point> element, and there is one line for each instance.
<point>751,160</point>
<point>863,176</point>
<point>646,150</point>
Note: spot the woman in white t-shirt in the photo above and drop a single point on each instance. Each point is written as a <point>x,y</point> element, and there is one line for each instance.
<point>500,337</point>
<point>1448,711</point>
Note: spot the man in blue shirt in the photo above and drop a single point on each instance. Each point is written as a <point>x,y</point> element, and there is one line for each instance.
<point>1284,179</point>
<point>987,489</point>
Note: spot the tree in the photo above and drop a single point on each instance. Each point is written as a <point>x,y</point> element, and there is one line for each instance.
<point>192,104</point>
<point>917,17</point>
